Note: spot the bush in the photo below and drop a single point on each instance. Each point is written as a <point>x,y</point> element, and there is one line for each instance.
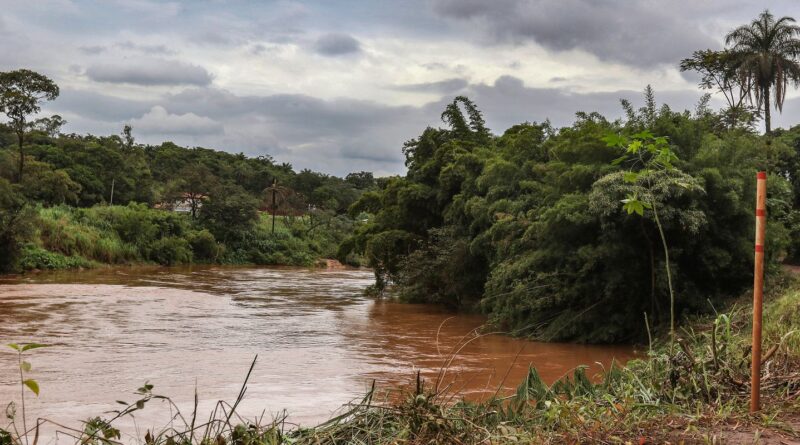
<point>81,232</point>
<point>170,251</point>
<point>37,258</point>
<point>204,245</point>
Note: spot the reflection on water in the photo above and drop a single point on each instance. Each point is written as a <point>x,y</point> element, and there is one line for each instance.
<point>319,342</point>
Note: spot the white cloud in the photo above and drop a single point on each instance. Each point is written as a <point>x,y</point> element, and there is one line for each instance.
<point>160,122</point>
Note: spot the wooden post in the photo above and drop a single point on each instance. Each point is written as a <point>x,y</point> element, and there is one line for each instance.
<point>758,290</point>
<point>274,208</point>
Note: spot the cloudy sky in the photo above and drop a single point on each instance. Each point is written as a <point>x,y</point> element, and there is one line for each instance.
<point>337,86</point>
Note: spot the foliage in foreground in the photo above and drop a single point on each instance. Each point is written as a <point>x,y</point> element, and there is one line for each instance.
<point>697,392</point>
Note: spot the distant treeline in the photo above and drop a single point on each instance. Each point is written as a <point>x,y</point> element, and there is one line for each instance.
<point>80,170</point>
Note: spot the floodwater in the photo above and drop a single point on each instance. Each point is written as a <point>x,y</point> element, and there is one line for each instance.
<point>319,342</point>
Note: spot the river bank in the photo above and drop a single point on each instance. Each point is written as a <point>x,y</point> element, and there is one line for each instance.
<point>64,237</point>
<point>692,392</point>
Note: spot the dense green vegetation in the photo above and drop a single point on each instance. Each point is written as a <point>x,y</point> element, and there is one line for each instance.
<point>529,225</point>
<point>57,211</point>
<point>74,237</point>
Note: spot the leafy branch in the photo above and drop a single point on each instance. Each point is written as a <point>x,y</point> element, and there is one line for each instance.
<point>31,384</point>
<point>647,154</point>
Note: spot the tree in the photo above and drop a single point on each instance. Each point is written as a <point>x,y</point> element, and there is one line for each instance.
<point>650,160</point>
<point>229,212</point>
<point>718,72</point>
<point>50,186</point>
<point>765,53</point>
<point>194,184</point>
<point>51,126</point>
<point>361,180</point>
<point>127,135</point>
<point>274,191</point>
<point>21,92</point>
<point>16,223</point>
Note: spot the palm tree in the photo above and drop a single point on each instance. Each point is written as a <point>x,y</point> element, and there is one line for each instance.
<point>766,54</point>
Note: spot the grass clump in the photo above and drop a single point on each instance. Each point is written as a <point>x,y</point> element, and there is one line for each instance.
<point>34,257</point>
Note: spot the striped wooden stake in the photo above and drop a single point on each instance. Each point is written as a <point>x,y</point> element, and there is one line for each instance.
<point>758,290</point>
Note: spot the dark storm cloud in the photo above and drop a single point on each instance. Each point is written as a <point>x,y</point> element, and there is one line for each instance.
<point>150,73</point>
<point>336,44</point>
<point>340,135</point>
<point>93,49</point>
<point>98,106</point>
<point>339,128</point>
<point>447,86</point>
<point>508,101</point>
<point>146,49</point>
<point>638,33</point>
<point>159,121</point>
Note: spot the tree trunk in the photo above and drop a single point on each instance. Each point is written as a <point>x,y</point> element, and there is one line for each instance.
<point>767,122</point>
<point>21,138</point>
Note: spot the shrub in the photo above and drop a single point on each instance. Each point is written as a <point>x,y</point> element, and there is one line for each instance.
<point>170,251</point>
<point>37,258</point>
<point>204,245</point>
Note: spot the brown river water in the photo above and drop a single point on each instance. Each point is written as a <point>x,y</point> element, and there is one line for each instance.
<point>319,342</point>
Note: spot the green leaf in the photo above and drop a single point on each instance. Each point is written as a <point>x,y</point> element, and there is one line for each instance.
<point>646,134</point>
<point>30,346</point>
<point>32,385</point>
<point>140,404</point>
<point>632,205</point>
<point>13,346</point>
<point>25,366</point>
<point>614,140</point>
<point>630,177</point>
<point>634,147</point>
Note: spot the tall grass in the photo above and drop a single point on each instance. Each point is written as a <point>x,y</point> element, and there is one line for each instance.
<point>68,237</point>
<point>71,233</point>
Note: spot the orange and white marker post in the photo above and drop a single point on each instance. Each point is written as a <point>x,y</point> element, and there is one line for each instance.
<point>758,290</point>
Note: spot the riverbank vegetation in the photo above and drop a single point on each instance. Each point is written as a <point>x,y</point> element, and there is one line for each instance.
<point>81,201</point>
<point>530,226</point>
<point>66,236</point>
